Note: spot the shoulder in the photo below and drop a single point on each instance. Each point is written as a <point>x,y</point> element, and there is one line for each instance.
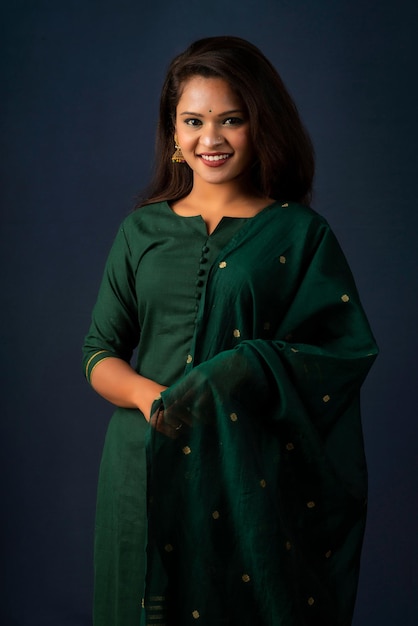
<point>302,212</point>
<point>145,221</point>
<point>144,214</point>
<point>297,218</point>
<point>139,229</point>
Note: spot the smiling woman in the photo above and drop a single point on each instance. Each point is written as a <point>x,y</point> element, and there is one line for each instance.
<point>213,131</point>
<point>233,482</point>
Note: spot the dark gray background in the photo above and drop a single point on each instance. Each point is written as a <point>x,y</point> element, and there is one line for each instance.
<point>81,82</point>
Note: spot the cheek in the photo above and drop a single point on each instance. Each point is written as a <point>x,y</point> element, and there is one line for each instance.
<point>186,140</point>
<point>243,139</point>
<point>244,143</point>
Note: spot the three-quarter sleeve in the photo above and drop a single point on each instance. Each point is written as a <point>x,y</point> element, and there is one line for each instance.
<point>114,329</point>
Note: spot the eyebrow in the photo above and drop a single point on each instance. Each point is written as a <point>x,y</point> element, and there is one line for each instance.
<point>219,115</point>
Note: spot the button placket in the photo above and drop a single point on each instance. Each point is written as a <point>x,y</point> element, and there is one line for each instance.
<point>201,273</point>
<point>199,285</point>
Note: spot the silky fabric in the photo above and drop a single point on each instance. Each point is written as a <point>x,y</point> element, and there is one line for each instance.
<point>257,481</point>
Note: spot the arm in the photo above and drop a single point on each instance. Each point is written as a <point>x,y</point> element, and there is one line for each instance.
<point>114,333</point>
<point>116,381</point>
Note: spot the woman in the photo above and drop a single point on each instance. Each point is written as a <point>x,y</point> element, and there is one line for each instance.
<point>240,421</point>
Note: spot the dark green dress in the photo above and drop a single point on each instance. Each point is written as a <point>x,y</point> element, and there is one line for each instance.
<point>256,480</point>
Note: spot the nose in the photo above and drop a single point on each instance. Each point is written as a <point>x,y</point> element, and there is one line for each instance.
<point>211,137</point>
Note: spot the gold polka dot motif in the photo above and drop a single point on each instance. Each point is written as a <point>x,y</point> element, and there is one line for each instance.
<point>222,265</point>
<point>282,259</point>
<point>326,398</point>
<point>196,614</point>
<point>189,358</point>
<point>245,578</point>
<point>186,450</point>
<point>286,204</point>
<point>311,601</point>
<point>328,554</point>
<point>237,333</point>
<point>263,483</point>
<point>290,446</point>
<point>234,417</point>
<point>215,515</point>
<point>288,545</point>
<point>311,504</point>
<point>345,298</point>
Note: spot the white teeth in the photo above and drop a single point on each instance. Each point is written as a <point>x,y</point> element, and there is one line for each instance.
<point>216,157</point>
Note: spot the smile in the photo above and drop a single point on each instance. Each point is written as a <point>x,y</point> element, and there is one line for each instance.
<point>215,157</point>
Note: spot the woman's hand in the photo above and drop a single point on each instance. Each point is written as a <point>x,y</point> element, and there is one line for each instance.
<point>116,381</point>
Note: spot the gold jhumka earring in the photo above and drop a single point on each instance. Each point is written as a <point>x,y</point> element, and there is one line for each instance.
<point>178,154</point>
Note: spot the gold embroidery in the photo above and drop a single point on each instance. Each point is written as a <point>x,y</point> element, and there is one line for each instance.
<point>96,364</point>
<point>215,515</point>
<point>245,578</point>
<point>222,264</point>
<point>282,259</point>
<point>90,360</point>
<point>310,504</point>
<point>285,204</point>
<point>263,483</point>
<point>196,614</point>
<point>345,298</point>
<point>237,333</point>
<point>186,450</point>
<point>311,601</point>
<point>233,417</point>
<point>290,446</point>
<point>189,358</point>
<point>326,398</point>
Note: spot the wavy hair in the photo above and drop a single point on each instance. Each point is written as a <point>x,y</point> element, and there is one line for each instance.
<point>284,165</point>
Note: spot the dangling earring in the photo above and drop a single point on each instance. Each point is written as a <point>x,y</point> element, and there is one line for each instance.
<point>178,154</point>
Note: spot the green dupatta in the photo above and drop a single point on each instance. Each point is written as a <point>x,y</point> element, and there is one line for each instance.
<point>257,480</point>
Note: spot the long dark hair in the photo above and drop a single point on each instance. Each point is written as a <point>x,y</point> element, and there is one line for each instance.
<point>284,165</point>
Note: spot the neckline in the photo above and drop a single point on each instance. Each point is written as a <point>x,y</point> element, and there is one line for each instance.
<point>223,219</point>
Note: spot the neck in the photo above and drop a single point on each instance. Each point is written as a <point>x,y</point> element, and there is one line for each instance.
<point>219,197</point>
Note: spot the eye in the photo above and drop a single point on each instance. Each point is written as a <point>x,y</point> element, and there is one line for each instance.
<point>192,121</point>
<point>233,121</point>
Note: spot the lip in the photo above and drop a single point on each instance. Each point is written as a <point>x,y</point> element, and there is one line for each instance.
<point>215,162</point>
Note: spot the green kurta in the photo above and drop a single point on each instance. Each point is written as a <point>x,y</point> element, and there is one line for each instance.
<point>256,472</point>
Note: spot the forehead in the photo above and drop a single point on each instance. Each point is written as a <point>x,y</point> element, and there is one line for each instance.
<point>200,92</point>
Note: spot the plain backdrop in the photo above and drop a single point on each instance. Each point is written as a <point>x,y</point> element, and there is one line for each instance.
<point>80,86</point>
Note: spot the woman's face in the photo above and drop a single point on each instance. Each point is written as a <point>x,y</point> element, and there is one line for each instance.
<point>213,130</point>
